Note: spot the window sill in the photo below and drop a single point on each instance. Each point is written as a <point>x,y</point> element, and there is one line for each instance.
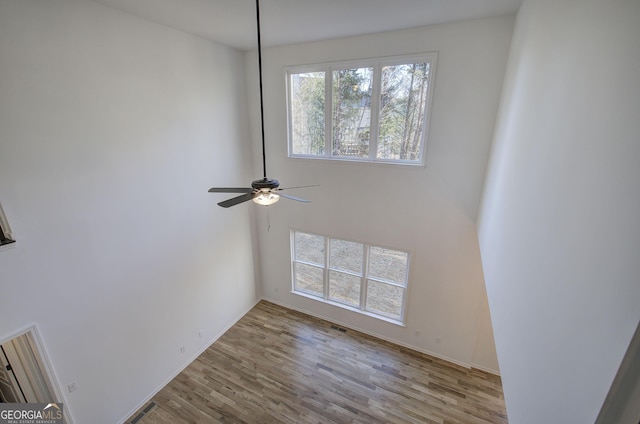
<point>336,160</point>
<point>350,308</point>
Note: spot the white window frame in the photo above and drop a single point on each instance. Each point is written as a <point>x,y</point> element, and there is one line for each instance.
<point>377,64</point>
<point>364,278</point>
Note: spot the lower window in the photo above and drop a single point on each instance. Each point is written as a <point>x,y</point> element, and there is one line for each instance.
<point>356,276</point>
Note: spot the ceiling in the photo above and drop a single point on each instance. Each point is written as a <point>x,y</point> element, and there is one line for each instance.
<point>232,22</point>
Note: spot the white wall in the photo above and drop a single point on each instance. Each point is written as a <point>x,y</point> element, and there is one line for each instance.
<point>112,129</point>
<point>429,211</point>
<point>559,228</point>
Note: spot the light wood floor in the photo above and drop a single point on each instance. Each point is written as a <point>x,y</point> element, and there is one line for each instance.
<point>280,366</point>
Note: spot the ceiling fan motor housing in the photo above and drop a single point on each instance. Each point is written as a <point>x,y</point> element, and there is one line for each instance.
<point>263,183</point>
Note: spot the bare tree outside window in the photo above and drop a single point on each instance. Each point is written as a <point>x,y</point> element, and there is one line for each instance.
<point>307,118</point>
<point>352,112</point>
<point>402,105</point>
<point>376,111</point>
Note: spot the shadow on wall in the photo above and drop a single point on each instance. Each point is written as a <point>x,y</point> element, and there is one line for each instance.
<point>622,404</point>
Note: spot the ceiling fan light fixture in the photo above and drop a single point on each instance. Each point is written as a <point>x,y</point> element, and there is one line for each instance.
<point>266,198</point>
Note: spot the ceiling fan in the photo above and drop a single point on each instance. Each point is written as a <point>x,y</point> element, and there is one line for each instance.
<point>264,191</point>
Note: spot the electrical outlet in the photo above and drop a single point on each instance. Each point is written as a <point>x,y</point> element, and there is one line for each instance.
<point>73,386</point>
<point>438,340</point>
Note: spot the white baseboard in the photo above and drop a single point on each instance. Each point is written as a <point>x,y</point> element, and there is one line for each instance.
<point>485,369</point>
<point>185,365</point>
<point>388,339</point>
<point>340,323</point>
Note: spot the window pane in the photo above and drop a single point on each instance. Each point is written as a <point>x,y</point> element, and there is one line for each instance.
<point>308,279</point>
<point>307,113</point>
<point>309,248</point>
<point>346,255</point>
<point>350,270</point>
<point>352,112</point>
<point>389,265</point>
<point>384,299</point>
<point>402,111</point>
<point>344,288</point>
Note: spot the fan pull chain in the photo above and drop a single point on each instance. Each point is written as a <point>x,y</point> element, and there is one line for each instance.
<point>268,219</point>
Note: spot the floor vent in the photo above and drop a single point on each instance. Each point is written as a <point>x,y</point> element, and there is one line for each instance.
<point>149,407</point>
<point>340,329</point>
<point>145,411</point>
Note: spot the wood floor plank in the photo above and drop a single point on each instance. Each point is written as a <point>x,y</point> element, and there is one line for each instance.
<point>281,366</point>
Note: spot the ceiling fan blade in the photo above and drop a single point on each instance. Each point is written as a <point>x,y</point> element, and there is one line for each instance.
<point>230,190</point>
<point>297,199</point>
<point>289,188</point>
<point>236,200</point>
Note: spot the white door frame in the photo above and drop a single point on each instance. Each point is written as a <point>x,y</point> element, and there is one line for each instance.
<point>42,362</point>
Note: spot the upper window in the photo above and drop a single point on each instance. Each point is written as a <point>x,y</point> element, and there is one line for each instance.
<point>375,110</point>
<point>357,276</point>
